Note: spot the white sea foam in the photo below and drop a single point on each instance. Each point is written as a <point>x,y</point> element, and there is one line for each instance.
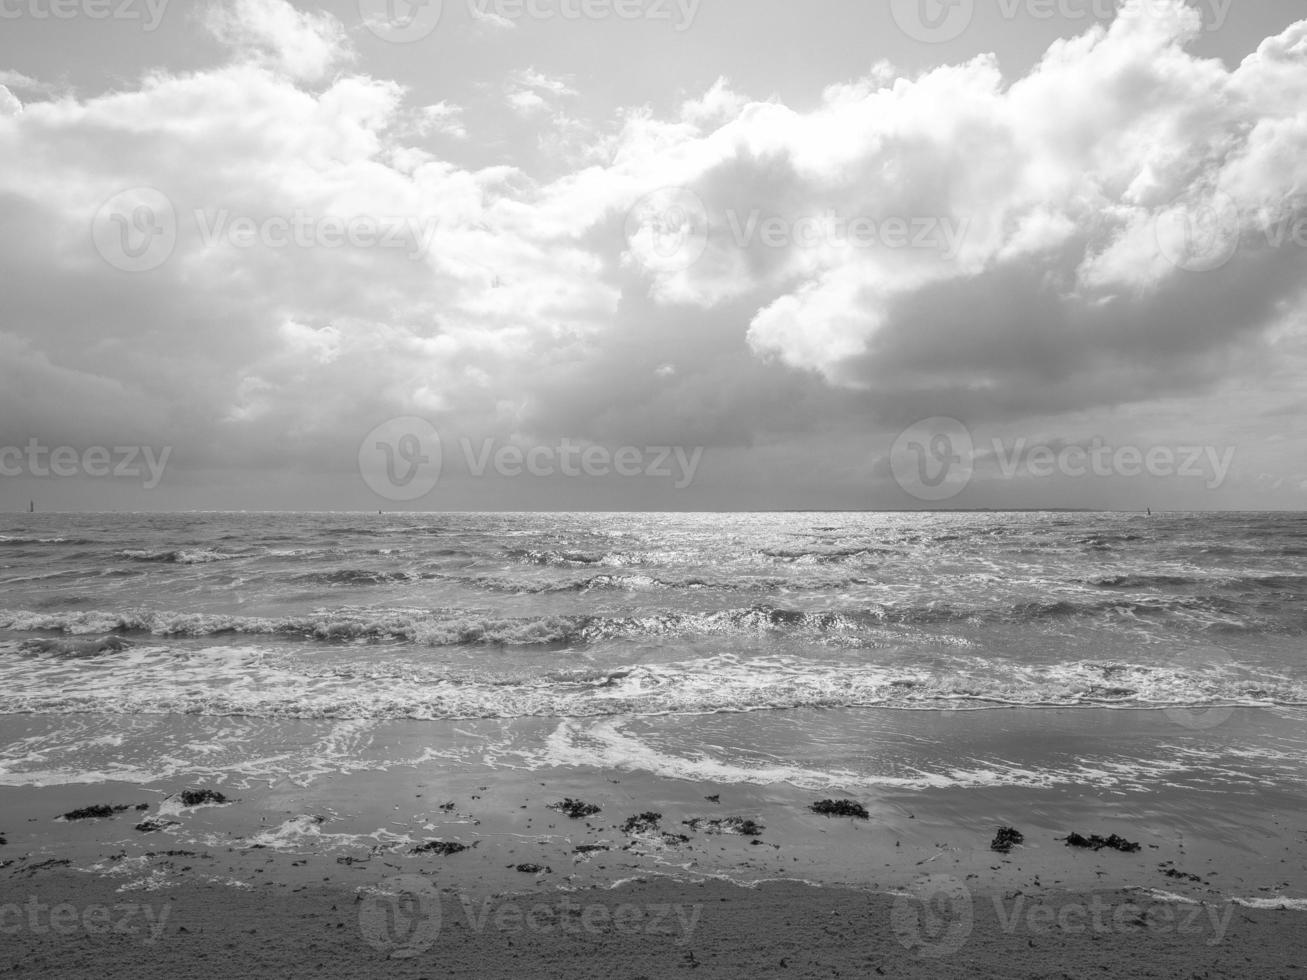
<point>1276,902</point>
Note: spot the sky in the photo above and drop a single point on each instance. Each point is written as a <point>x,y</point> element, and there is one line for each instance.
<point>653,254</point>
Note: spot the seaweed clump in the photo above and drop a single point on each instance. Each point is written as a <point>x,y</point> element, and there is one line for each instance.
<point>442,847</point>
<point>840,808</point>
<point>199,797</point>
<point>150,824</point>
<point>576,809</point>
<point>744,826</point>
<point>102,810</point>
<point>642,823</point>
<point>1005,839</point>
<point>534,869</point>
<point>1097,843</point>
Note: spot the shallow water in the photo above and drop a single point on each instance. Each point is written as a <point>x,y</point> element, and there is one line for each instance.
<point>686,645</point>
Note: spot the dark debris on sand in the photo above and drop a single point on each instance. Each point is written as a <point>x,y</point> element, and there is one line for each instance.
<point>1097,843</point>
<point>727,825</point>
<point>442,847</point>
<point>642,823</point>
<point>1005,839</point>
<point>151,824</point>
<point>102,810</point>
<point>590,848</point>
<point>576,809</point>
<point>533,869</point>
<point>840,808</point>
<point>199,797</point>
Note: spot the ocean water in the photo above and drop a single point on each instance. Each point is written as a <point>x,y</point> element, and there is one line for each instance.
<point>749,647</point>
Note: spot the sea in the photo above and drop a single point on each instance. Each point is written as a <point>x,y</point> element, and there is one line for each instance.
<point>755,647</point>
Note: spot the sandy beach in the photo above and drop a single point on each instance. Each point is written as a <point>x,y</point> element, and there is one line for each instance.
<point>431,869</point>
<point>351,745</point>
<point>290,927</point>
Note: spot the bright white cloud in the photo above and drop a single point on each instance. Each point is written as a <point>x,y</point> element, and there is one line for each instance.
<point>303,44</point>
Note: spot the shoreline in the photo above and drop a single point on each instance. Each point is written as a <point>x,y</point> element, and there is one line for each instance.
<point>308,869</point>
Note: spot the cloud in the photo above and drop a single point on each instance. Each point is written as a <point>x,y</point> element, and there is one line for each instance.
<point>1043,277</point>
<point>25,83</point>
<point>490,19</point>
<point>442,118</point>
<point>9,104</point>
<point>719,103</point>
<point>526,102</point>
<point>304,45</point>
<point>529,91</point>
<point>948,244</point>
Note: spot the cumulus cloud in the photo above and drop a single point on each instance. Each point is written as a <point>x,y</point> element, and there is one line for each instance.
<point>303,44</point>
<point>946,244</point>
<point>1015,251</point>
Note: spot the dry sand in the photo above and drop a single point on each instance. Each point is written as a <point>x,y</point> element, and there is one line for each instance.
<point>650,928</point>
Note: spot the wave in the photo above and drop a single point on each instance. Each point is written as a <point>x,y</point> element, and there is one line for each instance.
<point>8,539</point>
<point>363,576</point>
<point>810,556</point>
<point>573,559</point>
<point>1143,581</point>
<point>639,583</point>
<point>452,627</point>
<point>250,682</point>
<point>1283,583</point>
<point>196,556</point>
